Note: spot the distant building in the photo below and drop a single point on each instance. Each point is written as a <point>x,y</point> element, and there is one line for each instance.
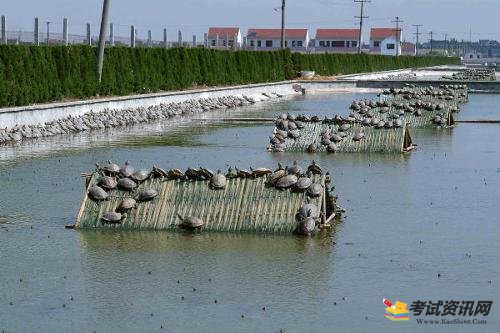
<point>268,39</point>
<point>385,41</point>
<point>408,49</point>
<point>224,37</point>
<point>337,40</point>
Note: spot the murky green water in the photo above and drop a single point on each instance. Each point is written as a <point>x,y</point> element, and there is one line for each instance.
<point>409,218</point>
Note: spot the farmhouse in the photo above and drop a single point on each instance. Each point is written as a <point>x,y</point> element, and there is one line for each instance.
<point>224,37</point>
<point>337,40</point>
<point>268,39</point>
<point>385,41</point>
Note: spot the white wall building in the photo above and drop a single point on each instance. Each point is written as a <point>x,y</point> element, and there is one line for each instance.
<point>385,41</point>
<point>224,38</point>
<point>268,39</point>
<point>337,40</point>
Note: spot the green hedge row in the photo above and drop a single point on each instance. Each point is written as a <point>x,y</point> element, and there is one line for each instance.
<point>30,74</point>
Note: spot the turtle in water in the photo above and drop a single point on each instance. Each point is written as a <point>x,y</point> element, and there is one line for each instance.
<point>175,174</point>
<point>126,170</point>
<point>260,172</point>
<point>190,222</point>
<point>306,226</point>
<point>314,190</point>
<point>312,148</point>
<point>231,173</point>
<point>140,175</point>
<point>307,210</point>
<point>302,184</point>
<point>146,194</point>
<point>218,181</point>
<point>126,184</point>
<point>295,169</point>
<point>275,176</point>
<point>286,182</point>
<point>158,172</point>
<point>126,205</point>
<point>111,218</point>
<point>110,169</point>
<point>314,168</point>
<point>97,193</point>
<point>107,183</point>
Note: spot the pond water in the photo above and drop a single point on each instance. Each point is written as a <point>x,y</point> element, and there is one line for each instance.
<point>409,218</point>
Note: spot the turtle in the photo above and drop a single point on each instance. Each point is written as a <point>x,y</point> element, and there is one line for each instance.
<point>344,127</point>
<point>312,148</point>
<point>126,184</point>
<point>342,134</point>
<point>295,169</point>
<point>307,210</point>
<point>286,181</point>
<point>107,183</point>
<point>314,168</point>
<point>299,124</point>
<point>336,138</point>
<point>292,126</point>
<point>398,123</point>
<point>111,168</point>
<point>230,173</point>
<point>260,172</point>
<point>97,193</point>
<point>332,148</point>
<point>190,222</point>
<point>358,136</point>
<point>206,173</point>
<point>140,175</point>
<point>306,226</point>
<point>280,167</point>
<point>175,174</point>
<point>126,170</point>
<point>217,181</point>
<point>111,218</point>
<point>302,184</point>
<point>146,194</point>
<point>381,124</point>
<point>275,176</point>
<point>126,205</point>
<point>158,172</point>
<point>314,190</point>
<point>192,173</point>
<point>243,173</point>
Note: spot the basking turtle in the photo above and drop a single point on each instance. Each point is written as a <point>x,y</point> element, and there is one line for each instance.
<point>126,184</point>
<point>312,148</point>
<point>358,136</point>
<point>111,168</point>
<point>381,124</point>
<point>260,172</point>
<point>193,173</point>
<point>306,226</point>
<point>344,127</point>
<point>158,172</point>
<point>275,176</point>
<point>218,181</point>
<point>126,205</point>
<point>398,123</point>
<point>336,138</point>
<point>126,170</point>
<point>280,167</point>
<point>302,184</point>
<point>97,193</point>
<point>332,148</point>
<point>295,134</point>
<point>231,173</point>
<point>111,218</point>
<point>107,183</point>
<point>243,173</point>
<point>295,169</point>
<point>175,174</point>
<point>307,210</point>
<point>146,194</point>
<point>140,175</point>
<point>190,222</point>
<point>286,181</point>
<point>299,124</point>
<point>315,190</point>
<point>315,168</point>
<point>206,173</point>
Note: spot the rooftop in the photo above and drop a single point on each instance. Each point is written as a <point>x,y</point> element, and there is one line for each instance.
<point>338,33</point>
<point>276,33</point>
<point>381,33</point>
<point>229,31</point>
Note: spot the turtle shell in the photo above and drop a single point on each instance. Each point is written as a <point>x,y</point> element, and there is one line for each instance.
<point>295,169</point>
<point>315,190</point>
<point>146,194</point>
<point>191,223</point>
<point>126,205</point>
<point>307,210</point>
<point>314,168</point>
<point>302,184</point>
<point>332,148</point>
<point>126,170</point>
<point>175,174</point>
<point>218,181</point>
<point>126,184</point>
<point>97,193</point>
<point>111,168</point>
<point>259,172</point>
<point>286,181</point>
<point>158,172</point>
<point>275,176</point>
<point>140,175</point>
<point>111,217</point>
<point>193,173</point>
<point>358,136</point>
<point>306,226</point>
<point>107,183</point>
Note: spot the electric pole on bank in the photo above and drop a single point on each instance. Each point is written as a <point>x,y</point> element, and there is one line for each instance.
<point>417,34</point>
<point>398,35</point>
<point>361,17</point>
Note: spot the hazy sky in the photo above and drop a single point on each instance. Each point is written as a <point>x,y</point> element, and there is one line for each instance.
<point>454,17</point>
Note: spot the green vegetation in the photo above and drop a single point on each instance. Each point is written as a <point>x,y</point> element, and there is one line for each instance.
<point>30,74</point>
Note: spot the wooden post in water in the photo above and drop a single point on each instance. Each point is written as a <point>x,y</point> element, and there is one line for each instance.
<point>65,31</point>
<point>36,33</point>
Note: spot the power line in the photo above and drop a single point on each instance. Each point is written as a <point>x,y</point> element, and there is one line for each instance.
<point>398,34</point>
<point>361,17</point>
<point>418,33</point>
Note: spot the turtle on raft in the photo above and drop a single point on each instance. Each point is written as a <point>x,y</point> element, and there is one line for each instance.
<point>190,222</point>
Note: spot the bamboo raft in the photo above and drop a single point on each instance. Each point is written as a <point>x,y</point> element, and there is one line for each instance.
<point>244,205</point>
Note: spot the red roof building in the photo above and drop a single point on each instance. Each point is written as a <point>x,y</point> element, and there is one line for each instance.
<point>385,41</point>
<point>218,37</point>
<point>337,40</point>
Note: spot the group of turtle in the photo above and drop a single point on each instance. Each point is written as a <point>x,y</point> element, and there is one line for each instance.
<point>118,118</point>
<point>296,179</point>
<point>472,74</point>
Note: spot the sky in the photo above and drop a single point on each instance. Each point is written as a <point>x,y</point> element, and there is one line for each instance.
<point>460,19</point>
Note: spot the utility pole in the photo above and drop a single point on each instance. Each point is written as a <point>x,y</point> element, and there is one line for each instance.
<point>36,35</point>
<point>418,33</point>
<point>446,43</point>
<point>102,37</point>
<point>48,32</point>
<point>432,34</point>
<point>398,35</point>
<point>283,24</point>
<point>361,17</point>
